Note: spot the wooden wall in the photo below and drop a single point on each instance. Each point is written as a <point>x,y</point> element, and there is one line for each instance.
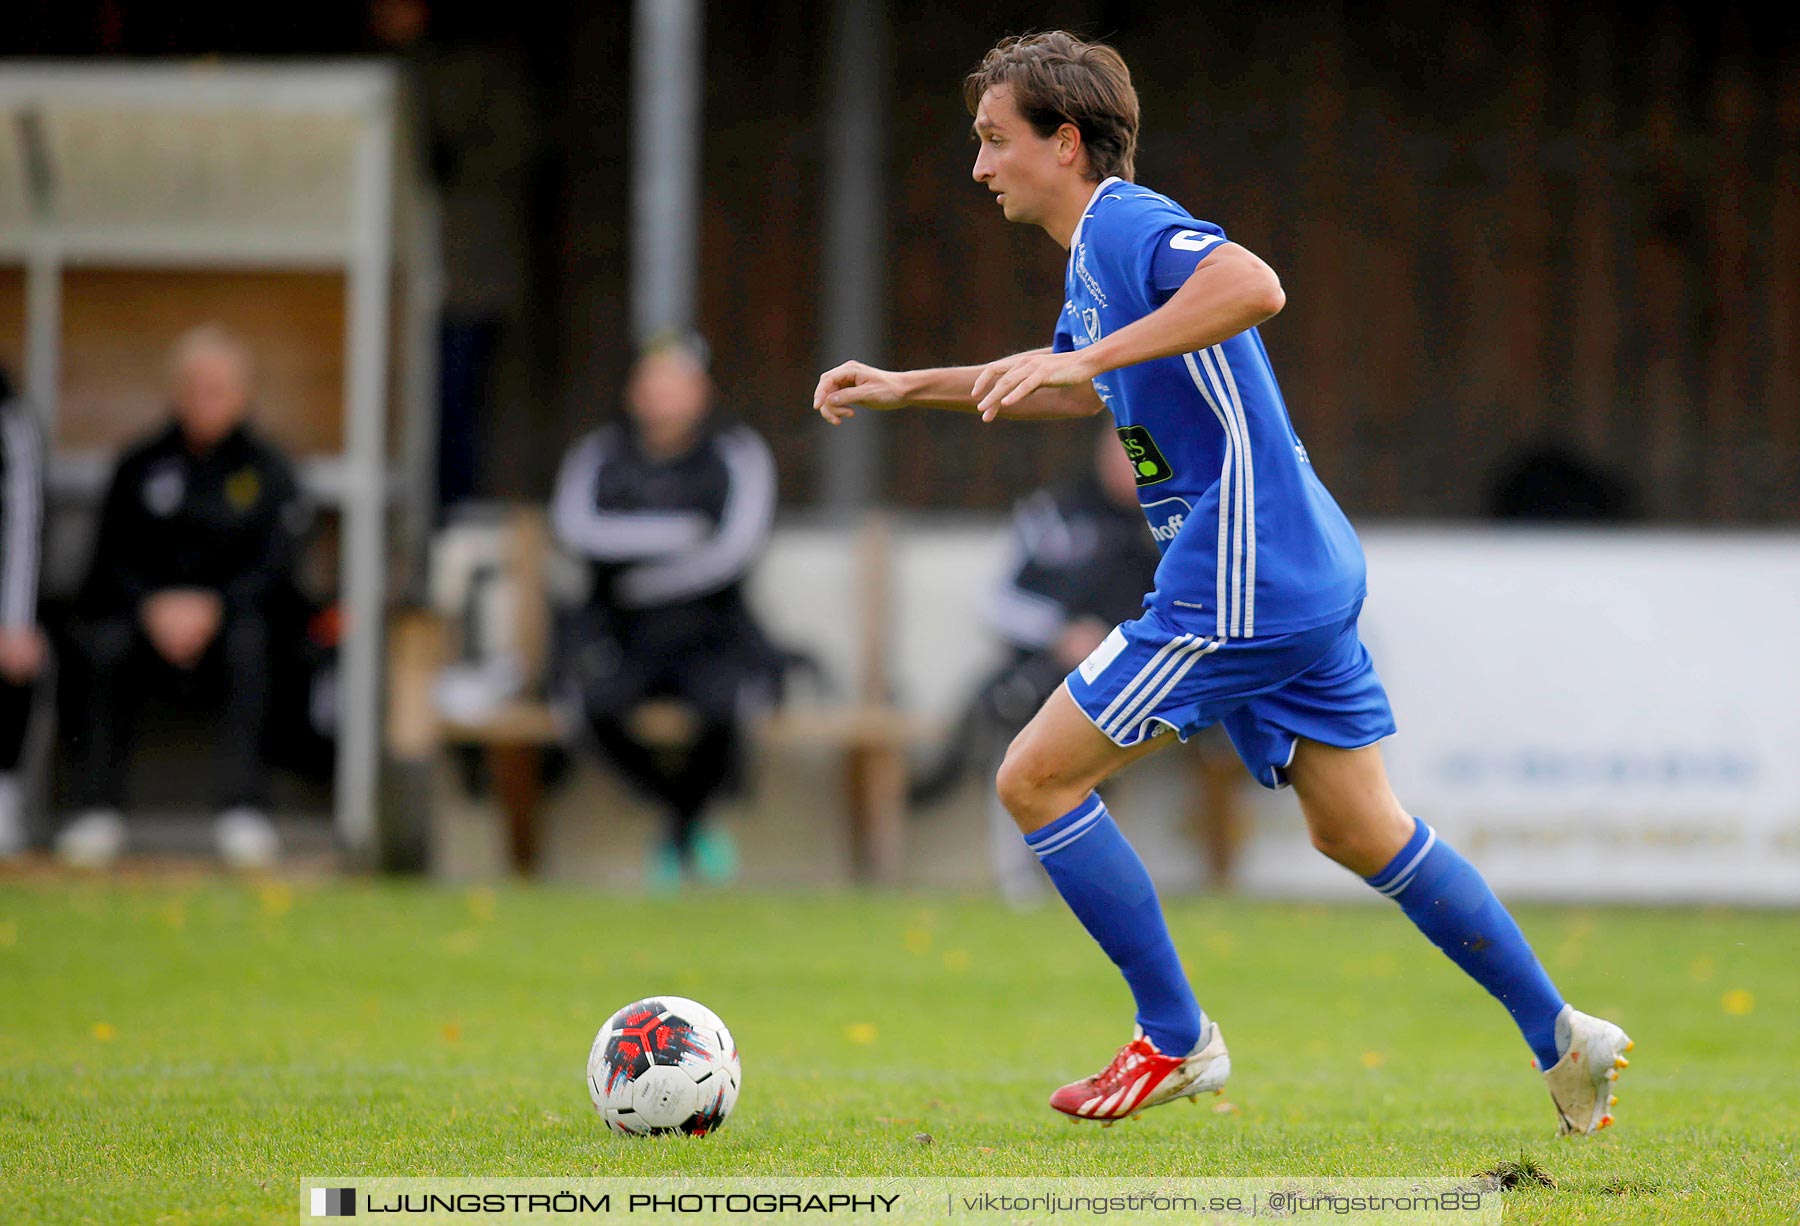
<point>118,325</point>
<point>1497,225</point>
<point>12,323</point>
<point>1498,222</point>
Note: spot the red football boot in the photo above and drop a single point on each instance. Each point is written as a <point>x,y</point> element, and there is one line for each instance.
<point>1140,1076</point>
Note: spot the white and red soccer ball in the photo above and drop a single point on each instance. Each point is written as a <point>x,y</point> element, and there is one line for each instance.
<point>664,1064</point>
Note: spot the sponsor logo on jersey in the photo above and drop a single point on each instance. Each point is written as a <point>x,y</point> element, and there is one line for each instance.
<point>1147,462</point>
<point>1166,517</point>
<point>1077,327</point>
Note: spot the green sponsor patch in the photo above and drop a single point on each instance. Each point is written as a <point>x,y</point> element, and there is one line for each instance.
<point>1146,457</point>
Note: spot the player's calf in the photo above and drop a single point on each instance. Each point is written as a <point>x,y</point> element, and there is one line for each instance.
<point>1093,865</point>
<point>1355,818</point>
<point>1451,903</point>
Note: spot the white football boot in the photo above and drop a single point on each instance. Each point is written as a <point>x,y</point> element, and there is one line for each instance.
<point>1593,1052</point>
<point>1142,1076</point>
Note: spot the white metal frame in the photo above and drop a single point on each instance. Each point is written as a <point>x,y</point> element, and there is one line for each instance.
<point>365,250</point>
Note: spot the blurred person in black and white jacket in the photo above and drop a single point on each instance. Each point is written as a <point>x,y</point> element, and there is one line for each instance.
<point>197,541</point>
<point>670,507</point>
<point>22,649</point>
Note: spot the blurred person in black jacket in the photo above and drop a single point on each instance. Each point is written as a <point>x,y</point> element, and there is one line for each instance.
<point>197,541</point>
<point>1082,561</point>
<point>22,649</point>
<point>670,507</point>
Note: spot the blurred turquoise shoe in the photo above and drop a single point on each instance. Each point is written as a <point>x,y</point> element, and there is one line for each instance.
<point>715,854</point>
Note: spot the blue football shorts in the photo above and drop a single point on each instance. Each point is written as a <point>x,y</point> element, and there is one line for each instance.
<point>1151,675</point>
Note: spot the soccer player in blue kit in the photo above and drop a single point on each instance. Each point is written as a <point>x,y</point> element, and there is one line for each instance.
<point>1253,621</point>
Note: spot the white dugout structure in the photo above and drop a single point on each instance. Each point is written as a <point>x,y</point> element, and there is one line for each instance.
<point>177,168</point>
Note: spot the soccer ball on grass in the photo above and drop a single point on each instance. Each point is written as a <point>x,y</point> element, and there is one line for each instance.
<point>663,1064</point>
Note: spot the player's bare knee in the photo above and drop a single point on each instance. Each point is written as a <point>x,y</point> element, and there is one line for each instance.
<point>1030,785</point>
<point>1358,846</point>
<point>1015,783</point>
<point>1332,842</point>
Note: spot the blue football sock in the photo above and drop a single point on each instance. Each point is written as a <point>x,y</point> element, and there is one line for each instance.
<point>1451,903</point>
<point>1107,887</point>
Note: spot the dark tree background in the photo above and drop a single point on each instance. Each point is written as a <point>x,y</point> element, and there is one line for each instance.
<point>1499,225</point>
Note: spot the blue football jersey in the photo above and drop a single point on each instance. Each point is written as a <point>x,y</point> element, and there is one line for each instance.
<point>1252,543</point>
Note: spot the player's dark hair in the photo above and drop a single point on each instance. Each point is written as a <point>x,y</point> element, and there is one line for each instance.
<point>1055,78</point>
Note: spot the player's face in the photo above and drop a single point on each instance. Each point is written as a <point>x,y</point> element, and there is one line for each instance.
<point>1020,167</point>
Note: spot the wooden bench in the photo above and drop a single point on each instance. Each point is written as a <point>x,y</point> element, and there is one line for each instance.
<point>872,735</point>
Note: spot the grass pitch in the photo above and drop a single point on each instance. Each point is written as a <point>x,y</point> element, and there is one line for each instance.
<point>188,1051</point>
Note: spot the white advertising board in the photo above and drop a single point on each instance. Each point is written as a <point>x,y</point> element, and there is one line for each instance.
<point>1587,715</point>
<point>1598,715</point>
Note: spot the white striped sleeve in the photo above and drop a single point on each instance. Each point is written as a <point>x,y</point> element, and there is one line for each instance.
<point>21,520</point>
<point>614,536</point>
<point>724,558</point>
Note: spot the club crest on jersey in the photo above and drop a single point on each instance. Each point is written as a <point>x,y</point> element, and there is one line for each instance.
<point>1090,320</point>
<point>1087,278</point>
<point>1147,463</point>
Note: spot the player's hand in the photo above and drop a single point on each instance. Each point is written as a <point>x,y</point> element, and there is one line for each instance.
<point>1004,383</point>
<point>843,388</point>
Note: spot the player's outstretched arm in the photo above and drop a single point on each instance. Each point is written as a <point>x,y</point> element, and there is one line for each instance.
<point>844,389</point>
<point>1229,292</point>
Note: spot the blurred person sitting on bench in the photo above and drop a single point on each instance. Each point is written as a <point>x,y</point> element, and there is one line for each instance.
<point>1082,560</point>
<point>22,651</point>
<point>197,540</point>
<point>670,507</point>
